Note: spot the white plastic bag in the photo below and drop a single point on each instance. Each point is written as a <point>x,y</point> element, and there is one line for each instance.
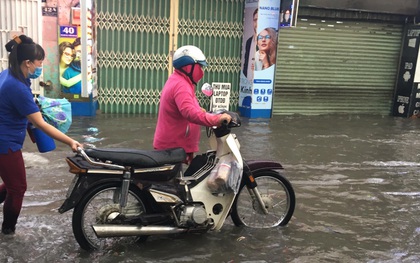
<point>225,177</point>
<point>235,177</point>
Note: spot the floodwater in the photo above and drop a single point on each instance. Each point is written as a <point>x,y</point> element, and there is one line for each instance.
<point>356,180</point>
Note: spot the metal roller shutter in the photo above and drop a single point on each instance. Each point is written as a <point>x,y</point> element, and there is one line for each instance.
<point>136,39</point>
<point>331,66</point>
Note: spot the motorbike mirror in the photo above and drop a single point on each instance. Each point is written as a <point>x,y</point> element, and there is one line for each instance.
<point>207,89</point>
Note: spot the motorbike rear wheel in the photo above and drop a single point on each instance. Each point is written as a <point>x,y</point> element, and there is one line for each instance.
<point>99,206</point>
<point>278,196</point>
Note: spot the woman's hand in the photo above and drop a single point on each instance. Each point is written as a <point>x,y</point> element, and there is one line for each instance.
<point>224,117</point>
<point>264,59</point>
<point>74,145</point>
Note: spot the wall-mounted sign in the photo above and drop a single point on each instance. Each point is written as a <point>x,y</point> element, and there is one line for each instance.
<point>407,93</point>
<point>49,11</point>
<point>68,32</point>
<point>75,16</point>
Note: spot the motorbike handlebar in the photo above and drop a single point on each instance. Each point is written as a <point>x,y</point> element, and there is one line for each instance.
<point>234,122</point>
<point>79,150</point>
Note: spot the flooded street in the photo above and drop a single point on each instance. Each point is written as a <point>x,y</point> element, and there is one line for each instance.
<point>356,180</point>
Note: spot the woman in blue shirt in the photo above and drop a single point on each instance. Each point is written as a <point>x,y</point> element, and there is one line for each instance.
<point>17,107</point>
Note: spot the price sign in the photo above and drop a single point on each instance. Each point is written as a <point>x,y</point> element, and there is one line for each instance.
<point>68,31</point>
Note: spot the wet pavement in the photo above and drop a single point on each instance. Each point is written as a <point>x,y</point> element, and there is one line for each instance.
<point>356,180</point>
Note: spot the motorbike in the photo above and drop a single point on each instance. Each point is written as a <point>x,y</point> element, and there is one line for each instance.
<point>124,195</point>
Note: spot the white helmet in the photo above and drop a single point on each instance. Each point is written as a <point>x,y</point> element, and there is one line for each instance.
<point>188,55</point>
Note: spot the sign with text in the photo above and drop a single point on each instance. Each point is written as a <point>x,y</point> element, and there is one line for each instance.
<point>50,11</point>
<point>68,31</point>
<point>221,96</point>
<point>407,93</point>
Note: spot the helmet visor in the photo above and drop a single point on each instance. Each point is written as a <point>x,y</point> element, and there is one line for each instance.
<point>203,63</point>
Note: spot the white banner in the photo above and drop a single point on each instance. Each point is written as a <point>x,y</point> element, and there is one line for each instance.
<point>221,96</point>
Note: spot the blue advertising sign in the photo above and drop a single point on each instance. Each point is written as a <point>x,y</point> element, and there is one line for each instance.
<point>68,31</point>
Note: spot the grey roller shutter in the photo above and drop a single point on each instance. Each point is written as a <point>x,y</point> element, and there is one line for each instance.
<point>330,66</point>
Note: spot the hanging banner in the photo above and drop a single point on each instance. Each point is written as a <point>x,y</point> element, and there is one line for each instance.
<point>288,13</point>
<point>75,53</point>
<point>261,24</point>
<point>76,42</point>
<point>407,90</point>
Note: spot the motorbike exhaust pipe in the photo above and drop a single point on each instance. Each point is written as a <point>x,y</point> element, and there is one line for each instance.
<point>129,230</point>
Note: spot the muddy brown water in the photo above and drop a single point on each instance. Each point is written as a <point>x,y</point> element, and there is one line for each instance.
<point>356,180</point>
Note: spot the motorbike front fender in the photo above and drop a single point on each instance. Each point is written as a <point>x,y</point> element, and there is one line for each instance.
<point>256,165</point>
<point>83,185</point>
<point>250,167</point>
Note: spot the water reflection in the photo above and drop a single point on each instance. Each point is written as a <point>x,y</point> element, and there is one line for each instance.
<point>355,177</point>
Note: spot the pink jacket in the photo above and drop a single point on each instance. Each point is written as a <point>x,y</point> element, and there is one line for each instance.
<point>180,116</point>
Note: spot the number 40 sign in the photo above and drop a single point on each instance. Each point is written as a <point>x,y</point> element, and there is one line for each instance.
<point>68,31</point>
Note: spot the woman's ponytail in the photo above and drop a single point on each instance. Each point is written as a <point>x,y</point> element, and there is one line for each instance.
<point>22,48</point>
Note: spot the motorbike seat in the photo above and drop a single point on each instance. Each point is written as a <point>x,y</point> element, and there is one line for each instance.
<point>138,158</point>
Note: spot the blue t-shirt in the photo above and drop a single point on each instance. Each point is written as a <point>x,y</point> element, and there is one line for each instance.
<point>16,102</point>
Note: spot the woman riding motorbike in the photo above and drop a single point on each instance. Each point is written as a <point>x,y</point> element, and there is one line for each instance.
<point>180,115</point>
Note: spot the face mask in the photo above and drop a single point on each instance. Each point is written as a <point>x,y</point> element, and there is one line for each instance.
<point>36,73</point>
<point>197,74</point>
<point>194,72</point>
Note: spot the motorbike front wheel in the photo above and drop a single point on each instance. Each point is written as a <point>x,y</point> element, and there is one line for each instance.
<point>278,196</point>
<point>100,206</point>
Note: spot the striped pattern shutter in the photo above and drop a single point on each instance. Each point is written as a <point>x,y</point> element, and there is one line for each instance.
<point>331,66</point>
<point>135,47</point>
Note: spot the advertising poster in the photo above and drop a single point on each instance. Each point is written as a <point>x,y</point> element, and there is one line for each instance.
<point>288,13</point>
<point>261,24</point>
<point>72,55</point>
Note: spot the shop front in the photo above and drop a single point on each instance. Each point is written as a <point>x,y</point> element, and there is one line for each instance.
<point>338,62</point>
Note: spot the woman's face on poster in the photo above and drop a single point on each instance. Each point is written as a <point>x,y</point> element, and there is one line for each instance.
<point>67,56</point>
<point>264,40</point>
